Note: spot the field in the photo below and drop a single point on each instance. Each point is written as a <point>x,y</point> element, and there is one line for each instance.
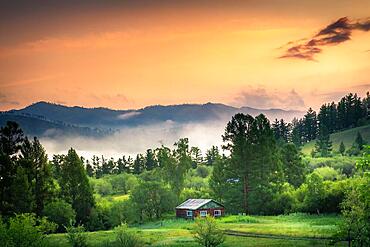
<point>347,136</point>
<point>287,230</point>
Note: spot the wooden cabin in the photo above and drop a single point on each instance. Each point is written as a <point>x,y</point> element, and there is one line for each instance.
<point>192,208</point>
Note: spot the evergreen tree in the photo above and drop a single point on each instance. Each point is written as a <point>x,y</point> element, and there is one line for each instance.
<point>342,148</point>
<point>212,155</point>
<point>150,161</point>
<point>323,145</point>
<point>196,157</point>
<point>310,125</point>
<point>75,187</point>
<point>293,166</point>
<point>139,164</point>
<point>89,169</point>
<point>359,142</point>
<point>218,179</point>
<point>297,132</point>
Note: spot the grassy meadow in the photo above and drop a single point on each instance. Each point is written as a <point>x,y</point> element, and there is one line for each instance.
<point>283,230</point>
<point>346,136</point>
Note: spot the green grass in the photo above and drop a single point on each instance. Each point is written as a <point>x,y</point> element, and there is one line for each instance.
<point>177,232</point>
<point>347,137</point>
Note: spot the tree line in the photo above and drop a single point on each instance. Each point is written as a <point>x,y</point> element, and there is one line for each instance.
<point>351,111</point>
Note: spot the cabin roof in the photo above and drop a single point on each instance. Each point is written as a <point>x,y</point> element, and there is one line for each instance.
<point>194,204</point>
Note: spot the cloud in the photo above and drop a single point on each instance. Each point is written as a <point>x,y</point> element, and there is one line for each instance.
<point>335,33</point>
<point>129,115</point>
<point>134,140</point>
<point>260,98</point>
<point>4,99</point>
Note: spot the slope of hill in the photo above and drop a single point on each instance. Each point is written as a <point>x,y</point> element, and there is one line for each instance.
<point>33,126</point>
<point>106,119</point>
<point>346,136</point>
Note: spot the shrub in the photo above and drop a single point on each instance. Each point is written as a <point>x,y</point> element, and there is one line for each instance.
<point>61,213</point>
<point>126,238</point>
<point>207,233</point>
<point>76,236</point>
<point>328,173</point>
<point>25,230</point>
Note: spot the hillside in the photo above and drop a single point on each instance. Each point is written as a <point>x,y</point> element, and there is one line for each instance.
<point>42,116</point>
<point>347,136</point>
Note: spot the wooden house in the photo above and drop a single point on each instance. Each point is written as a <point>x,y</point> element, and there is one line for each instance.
<point>192,208</point>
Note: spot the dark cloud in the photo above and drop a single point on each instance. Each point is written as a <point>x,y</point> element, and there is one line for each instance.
<point>334,34</point>
<point>262,99</point>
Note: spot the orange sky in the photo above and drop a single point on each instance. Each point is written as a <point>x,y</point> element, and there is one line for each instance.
<point>129,55</point>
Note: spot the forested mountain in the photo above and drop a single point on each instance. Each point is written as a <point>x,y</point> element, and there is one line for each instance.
<point>43,116</point>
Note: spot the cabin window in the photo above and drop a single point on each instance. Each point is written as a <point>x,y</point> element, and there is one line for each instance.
<point>203,213</point>
<point>217,212</point>
<point>189,213</point>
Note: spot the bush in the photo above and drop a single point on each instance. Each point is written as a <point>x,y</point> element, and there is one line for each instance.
<point>76,236</point>
<point>121,211</point>
<point>328,173</point>
<point>102,186</point>
<point>207,233</point>
<point>61,213</point>
<point>126,238</point>
<point>25,230</point>
<point>202,171</point>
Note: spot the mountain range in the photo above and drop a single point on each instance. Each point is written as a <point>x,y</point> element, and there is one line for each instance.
<point>49,119</point>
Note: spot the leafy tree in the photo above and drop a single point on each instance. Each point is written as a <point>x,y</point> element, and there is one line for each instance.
<point>61,213</point>
<point>207,233</point>
<point>314,194</point>
<point>75,187</point>
<point>342,148</point>
<point>356,206</point>
<point>151,199</point>
<point>176,165</point>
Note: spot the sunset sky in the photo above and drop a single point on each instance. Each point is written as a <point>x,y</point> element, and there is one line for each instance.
<point>130,54</point>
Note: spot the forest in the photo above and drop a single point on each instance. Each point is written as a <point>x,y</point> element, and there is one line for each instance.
<point>259,175</point>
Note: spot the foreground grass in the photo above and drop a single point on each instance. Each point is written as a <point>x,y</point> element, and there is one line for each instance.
<point>177,232</point>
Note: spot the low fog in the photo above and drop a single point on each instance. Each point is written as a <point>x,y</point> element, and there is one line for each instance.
<point>134,140</point>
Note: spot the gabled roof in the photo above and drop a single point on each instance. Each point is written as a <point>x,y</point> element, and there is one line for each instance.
<point>194,204</point>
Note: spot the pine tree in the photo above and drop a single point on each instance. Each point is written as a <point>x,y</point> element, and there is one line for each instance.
<point>75,187</point>
<point>11,140</point>
<point>212,155</point>
<point>342,148</point>
<point>359,141</point>
<point>150,161</point>
<point>323,145</point>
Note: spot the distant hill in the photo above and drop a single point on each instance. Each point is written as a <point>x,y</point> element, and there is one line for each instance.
<point>38,118</point>
<point>347,136</point>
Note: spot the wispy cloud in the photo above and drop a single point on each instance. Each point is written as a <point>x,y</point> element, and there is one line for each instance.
<point>335,33</point>
<point>262,99</point>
